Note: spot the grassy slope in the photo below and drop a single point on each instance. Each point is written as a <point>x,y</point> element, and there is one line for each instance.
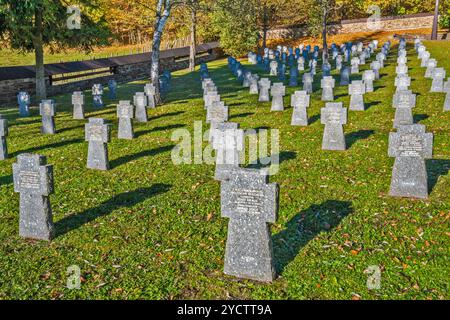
<point>149,229</point>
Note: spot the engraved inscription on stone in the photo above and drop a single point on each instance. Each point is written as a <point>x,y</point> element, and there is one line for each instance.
<point>410,146</point>
<point>29,180</point>
<point>248,200</point>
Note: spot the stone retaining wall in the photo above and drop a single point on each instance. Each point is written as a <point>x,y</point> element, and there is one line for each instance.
<point>407,22</point>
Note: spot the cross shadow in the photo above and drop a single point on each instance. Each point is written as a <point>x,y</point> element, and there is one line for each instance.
<point>48,146</point>
<point>170,114</point>
<point>419,117</point>
<point>123,200</point>
<point>146,153</point>
<point>69,129</point>
<point>378,87</point>
<point>96,113</point>
<point>352,137</point>
<point>23,123</point>
<point>163,128</point>
<point>435,169</point>
<point>342,95</point>
<point>267,161</point>
<point>241,115</point>
<point>304,227</point>
<point>372,104</point>
<point>236,104</point>
<point>6,179</point>
<point>313,119</point>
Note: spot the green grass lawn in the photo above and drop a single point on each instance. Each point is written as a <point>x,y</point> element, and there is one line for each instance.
<point>148,229</point>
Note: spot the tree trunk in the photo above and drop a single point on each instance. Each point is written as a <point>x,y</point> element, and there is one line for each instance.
<point>154,70</point>
<point>193,49</point>
<point>265,28</point>
<point>435,21</point>
<point>324,38</point>
<point>38,42</point>
<point>160,22</point>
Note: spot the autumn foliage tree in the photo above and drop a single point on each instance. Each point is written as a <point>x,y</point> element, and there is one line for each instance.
<point>29,25</point>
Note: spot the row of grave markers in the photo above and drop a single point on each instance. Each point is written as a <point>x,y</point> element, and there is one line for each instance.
<point>251,202</point>
<point>248,200</point>
<point>33,177</point>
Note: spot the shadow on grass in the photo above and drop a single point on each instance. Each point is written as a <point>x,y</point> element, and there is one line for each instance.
<point>435,169</point>
<point>48,146</point>
<point>352,137</point>
<point>146,153</point>
<point>69,128</point>
<point>304,227</point>
<point>371,104</point>
<point>242,115</point>
<point>267,161</point>
<point>6,180</point>
<point>123,200</point>
<point>163,128</point>
<point>313,119</point>
<point>420,117</point>
<point>170,114</point>
<point>23,123</point>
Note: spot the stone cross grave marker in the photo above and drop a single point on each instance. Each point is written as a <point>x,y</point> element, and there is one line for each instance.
<point>339,62</point>
<point>368,78</point>
<point>210,98</point>
<point>396,99</point>
<point>401,69</point>
<point>333,116</point>
<point>47,112</point>
<point>150,92</point>
<point>3,135</point>
<point>355,65</point>
<point>78,105</point>
<point>410,146</point>
<point>264,86</point>
<point>278,90</point>
<point>376,66</point>
<point>327,84</point>
<point>308,80</point>
<point>300,102</point>
<point>33,180</point>
<point>247,78</point>
<point>380,58</point>
<point>228,141</point>
<point>251,203</point>
<point>23,98</point>
<point>356,90</point>
<point>125,112</point>
<point>326,69</point>
<point>140,103</point>
<point>293,77</point>
<point>403,112</point>
<point>217,113</point>
<point>97,93</point>
<point>402,60</point>
<point>273,68</point>
<point>98,134</point>
<point>301,64</point>
<point>112,86</point>
<point>432,63</point>
<point>254,84</point>
<point>402,82</point>
<point>447,96</point>
<point>345,76</point>
<point>438,80</point>
<point>425,57</point>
